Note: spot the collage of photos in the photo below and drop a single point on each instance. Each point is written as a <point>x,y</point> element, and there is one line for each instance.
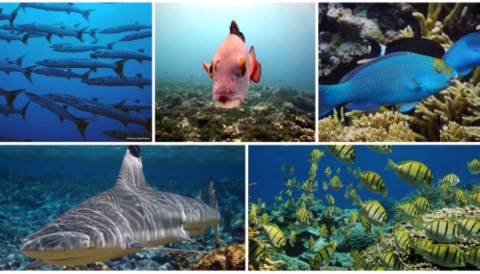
<point>239,136</point>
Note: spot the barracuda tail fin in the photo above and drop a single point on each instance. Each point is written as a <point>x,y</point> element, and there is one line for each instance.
<point>82,125</point>
<point>119,68</point>
<point>12,95</point>
<point>86,13</point>
<point>24,110</point>
<point>28,72</point>
<point>13,15</point>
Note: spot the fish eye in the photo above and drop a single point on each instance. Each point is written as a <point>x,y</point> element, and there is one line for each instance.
<point>210,70</point>
<point>242,66</point>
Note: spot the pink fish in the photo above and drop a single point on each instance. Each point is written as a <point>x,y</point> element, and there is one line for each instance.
<point>232,69</point>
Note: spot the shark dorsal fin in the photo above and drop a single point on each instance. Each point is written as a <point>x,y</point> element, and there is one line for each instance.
<point>131,172</point>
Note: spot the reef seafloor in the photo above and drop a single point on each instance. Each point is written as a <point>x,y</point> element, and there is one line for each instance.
<point>28,206</point>
<point>346,34</point>
<point>435,227</point>
<point>186,111</point>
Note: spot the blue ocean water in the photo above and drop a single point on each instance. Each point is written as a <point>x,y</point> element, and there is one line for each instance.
<point>40,183</point>
<point>41,124</point>
<point>265,161</point>
<point>283,36</point>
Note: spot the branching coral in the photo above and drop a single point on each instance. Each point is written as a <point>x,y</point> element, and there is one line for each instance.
<point>379,127</point>
<point>431,28</point>
<point>447,114</point>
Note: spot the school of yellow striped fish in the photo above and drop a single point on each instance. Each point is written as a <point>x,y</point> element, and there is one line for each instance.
<point>279,227</point>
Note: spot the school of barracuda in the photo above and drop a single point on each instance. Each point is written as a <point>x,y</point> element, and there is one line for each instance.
<point>84,55</point>
<point>272,229</point>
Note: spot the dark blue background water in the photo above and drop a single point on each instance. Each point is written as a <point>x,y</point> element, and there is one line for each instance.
<point>283,36</point>
<point>43,125</point>
<point>264,169</point>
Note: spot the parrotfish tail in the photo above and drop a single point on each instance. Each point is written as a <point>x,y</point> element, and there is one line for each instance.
<point>119,68</point>
<point>28,72</point>
<point>325,104</point>
<point>213,202</point>
<point>12,95</point>
<point>25,38</point>
<point>86,13</point>
<point>13,15</point>
<point>24,109</point>
<point>82,125</point>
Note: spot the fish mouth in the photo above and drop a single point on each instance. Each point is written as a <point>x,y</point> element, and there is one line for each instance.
<point>451,81</point>
<point>227,100</point>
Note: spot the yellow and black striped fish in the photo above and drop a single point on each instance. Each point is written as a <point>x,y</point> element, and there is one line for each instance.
<point>282,168</point>
<point>330,200</point>
<point>445,255</point>
<point>346,231</point>
<point>402,240</point>
<point>474,198</point>
<point>324,186</point>
<point>256,252</point>
<point>422,205</point>
<point>346,195</point>
<point>264,218</point>
<point>275,236</point>
<point>383,149</point>
<point>344,153</point>
<point>374,267</point>
<point>353,194</point>
<point>252,216</point>
<point>372,210</point>
<point>315,155</point>
<point>372,181</point>
<point>311,243</point>
<point>470,227</point>
<point>367,227</point>
<point>328,212</point>
<point>324,231</point>
<point>460,198</point>
<point>420,245</point>
<point>325,254</point>
<point>291,169</point>
<point>352,220</point>
<point>313,171</point>
<point>328,172</point>
<point>446,190</point>
<point>409,212</point>
<point>472,256</point>
<point>293,238</point>
<point>412,172</point>
<point>474,166</point>
<point>440,230</point>
<point>336,183</point>
<point>378,231</point>
<point>303,216</point>
<point>390,260</point>
<point>451,179</point>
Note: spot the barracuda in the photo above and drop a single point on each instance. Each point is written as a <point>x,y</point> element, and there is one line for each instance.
<point>128,218</point>
<point>7,36</point>
<point>66,7</point>
<point>16,66</point>
<point>81,47</point>
<point>10,95</point>
<point>61,73</point>
<point>90,63</point>
<point>55,30</point>
<point>96,107</point>
<point>61,112</point>
<point>125,28</point>
<point>6,110</point>
<point>111,81</point>
<point>138,55</point>
<point>138,35</point>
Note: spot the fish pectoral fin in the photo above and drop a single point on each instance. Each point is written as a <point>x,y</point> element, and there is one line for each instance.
<point>37,263</point>
<point>406,106</point>
<point>415,86</point>
<point>362,105</point>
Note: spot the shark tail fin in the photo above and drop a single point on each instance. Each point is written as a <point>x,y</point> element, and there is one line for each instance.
<point>212,195</point>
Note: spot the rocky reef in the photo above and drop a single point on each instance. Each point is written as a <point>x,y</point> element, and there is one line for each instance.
<point>450,115</point>
<point>231,257</point>
<point>185,111</point>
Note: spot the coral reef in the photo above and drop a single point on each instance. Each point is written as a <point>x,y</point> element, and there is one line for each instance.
<point>451,115</point>
<point>358,240</point>
<point>185,111</point>
<point>230,258</point>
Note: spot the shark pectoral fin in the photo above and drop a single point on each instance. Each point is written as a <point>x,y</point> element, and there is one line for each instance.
<point>406,106</point>
<point>362,106</point>
<point>37,263</point>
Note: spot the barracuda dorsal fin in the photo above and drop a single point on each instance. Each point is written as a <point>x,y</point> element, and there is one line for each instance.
<point>352,73</point>
<point>131,172</point>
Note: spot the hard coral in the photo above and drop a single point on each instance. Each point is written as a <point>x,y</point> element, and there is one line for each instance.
<point>232,258</point>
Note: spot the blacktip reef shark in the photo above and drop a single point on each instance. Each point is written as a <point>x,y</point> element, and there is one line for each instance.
<point>128,218</point>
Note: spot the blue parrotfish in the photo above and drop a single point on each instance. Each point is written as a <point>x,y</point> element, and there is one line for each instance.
<point>232,69</point>
<point>464,55</point>
<point>398,78</point>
